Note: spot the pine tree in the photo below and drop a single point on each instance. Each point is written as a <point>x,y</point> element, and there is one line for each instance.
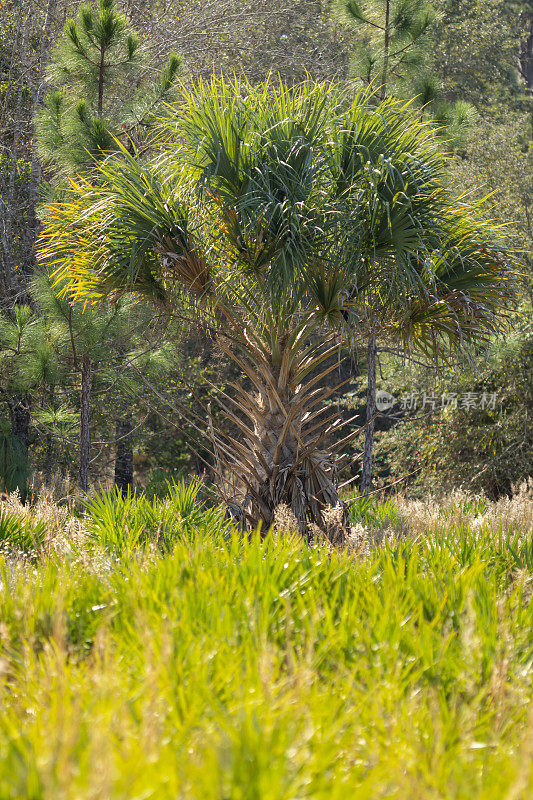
<point>89,341</point>
<point>103,90</point>
<point>104,94</point>
<point>79,339</point>
<point>390,34</point>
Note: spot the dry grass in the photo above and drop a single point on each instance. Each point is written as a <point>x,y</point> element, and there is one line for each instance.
<point>399,517</point>
<point>396,518</point>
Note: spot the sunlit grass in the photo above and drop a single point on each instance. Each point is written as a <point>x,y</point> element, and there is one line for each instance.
<point>208,665</point>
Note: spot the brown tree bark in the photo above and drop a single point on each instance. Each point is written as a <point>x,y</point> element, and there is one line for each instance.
<point>85,401</point>
<point>366,473</point>
<point>124,453</point>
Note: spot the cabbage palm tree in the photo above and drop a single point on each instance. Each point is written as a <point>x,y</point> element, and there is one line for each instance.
<point>292,219</point>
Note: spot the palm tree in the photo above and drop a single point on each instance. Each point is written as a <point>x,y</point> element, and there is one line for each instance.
<point>293,219</point>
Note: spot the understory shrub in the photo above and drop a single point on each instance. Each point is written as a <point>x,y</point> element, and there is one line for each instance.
<point>128,521</point>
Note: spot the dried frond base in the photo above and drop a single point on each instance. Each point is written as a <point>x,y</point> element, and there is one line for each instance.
<point>283,458</point>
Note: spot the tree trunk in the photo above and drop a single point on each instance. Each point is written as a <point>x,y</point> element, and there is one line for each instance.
<point>49,451</point>
<point>85,400</point>
<point>284,459</point>
<point>293,466</point>
<point>19,411</point>
<point>366,474</point>
<point>386,43</point>
<point>124,453</point>
<point>101,74</point>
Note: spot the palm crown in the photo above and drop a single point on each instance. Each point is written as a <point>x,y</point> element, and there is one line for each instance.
<point>293,216</point>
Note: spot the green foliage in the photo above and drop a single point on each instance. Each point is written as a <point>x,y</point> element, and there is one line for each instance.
<point>85,601</point>
<point>289,190</point>
<point>20,530</point>
<point>77,330</point>
<point>41,349</point>
<point>390,34</point>
<point>272,669</point>
<point>474,49</point>
<point>393,53</point>
<point>14,465</point>
<point>123,523</point>
<point>102,90</point>
<point>277,210</point>
<point>478,449</point>
<point>470,50</point>
<point>471,505</point>
<point>26,356</point>
<point>499,157</point>
<point>522,554</point>
<point>374,512</point>
<point>114,338</point>
<point>26,361</point>
<point>59,420</point>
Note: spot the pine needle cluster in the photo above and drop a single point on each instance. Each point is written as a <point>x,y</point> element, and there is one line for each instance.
<point>102,91</point>
<point>390,55</point>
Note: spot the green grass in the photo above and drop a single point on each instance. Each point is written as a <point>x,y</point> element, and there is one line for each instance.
<point>371,511</point>
<point>217,667</point>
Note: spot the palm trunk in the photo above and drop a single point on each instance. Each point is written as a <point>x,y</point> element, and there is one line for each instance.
<point>85,400</point>
<point>366,474</point>
<point>299,470</point>
<point>124,453</point>
<point>284,458</point>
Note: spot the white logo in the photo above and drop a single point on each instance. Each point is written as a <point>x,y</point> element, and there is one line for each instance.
<point>384,400</point>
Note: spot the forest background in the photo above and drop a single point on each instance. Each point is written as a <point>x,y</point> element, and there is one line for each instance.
<point>467,425</point>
